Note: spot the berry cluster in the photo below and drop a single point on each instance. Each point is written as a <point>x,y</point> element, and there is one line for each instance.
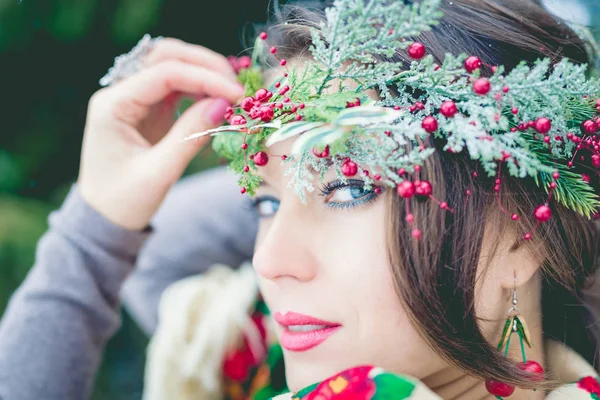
<point>265,106</point>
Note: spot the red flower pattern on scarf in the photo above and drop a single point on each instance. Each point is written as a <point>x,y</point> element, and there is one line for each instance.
<point>352,384</point>
<point>590,385</point>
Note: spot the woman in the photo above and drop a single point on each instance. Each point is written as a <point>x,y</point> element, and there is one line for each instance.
<point>434,309</point>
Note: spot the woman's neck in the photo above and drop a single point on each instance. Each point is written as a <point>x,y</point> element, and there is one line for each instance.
<point>451,383</point>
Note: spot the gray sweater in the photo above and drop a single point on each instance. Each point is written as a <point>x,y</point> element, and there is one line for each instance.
<point>57,323</point>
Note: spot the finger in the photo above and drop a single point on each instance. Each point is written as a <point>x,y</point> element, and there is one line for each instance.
<point>134,95</point>
<point>205,114</point>
<point>175,49</point>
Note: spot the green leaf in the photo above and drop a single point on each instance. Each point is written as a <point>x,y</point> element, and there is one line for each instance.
<point>252,79</point>
<point>505,332</point>
<point>571,190</point>
<point>290,130</point>
<point>318,136</point>
<point>390,386</point>
<point>300,394</point>
<point>365,115</point>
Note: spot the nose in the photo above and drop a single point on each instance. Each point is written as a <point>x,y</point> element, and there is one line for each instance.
<point>285,248</point>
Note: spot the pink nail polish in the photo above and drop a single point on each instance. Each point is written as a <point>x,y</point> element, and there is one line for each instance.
<point>216,110</point>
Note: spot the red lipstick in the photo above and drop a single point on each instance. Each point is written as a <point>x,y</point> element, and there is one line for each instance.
<point>302,332</point>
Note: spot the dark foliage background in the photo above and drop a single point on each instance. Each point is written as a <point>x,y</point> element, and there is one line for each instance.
<point>52,53</point>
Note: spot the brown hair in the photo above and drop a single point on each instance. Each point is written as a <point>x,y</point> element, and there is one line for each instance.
<point>435,277</point>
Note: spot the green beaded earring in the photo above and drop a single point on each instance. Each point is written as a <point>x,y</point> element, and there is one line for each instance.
<point>515,323</point>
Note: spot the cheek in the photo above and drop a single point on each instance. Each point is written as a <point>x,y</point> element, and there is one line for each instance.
<point>381,333</point>
<point>352,285</point>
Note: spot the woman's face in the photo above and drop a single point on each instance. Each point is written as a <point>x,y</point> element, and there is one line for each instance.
<point>324,272</point>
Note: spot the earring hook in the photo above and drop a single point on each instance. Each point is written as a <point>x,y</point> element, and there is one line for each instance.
<point>514,298</point>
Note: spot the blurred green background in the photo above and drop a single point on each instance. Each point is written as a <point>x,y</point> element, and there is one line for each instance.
<point>52,53</point>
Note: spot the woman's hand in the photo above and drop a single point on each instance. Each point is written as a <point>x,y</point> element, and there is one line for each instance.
<point>132,151</point>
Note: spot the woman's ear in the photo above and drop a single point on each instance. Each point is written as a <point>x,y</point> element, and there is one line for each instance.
<point>511,262</point>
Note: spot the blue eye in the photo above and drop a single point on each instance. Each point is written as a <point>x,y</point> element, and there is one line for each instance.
<point>266,206</point>
<point>347,195</point>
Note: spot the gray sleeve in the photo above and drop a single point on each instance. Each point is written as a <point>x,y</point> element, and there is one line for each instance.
<point>58,321</point>
<point>204,220</point>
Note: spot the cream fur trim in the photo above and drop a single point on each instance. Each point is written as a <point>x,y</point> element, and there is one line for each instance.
<point>200,318</point>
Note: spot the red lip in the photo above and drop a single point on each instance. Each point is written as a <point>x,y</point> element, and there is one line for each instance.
<point>302,341</point>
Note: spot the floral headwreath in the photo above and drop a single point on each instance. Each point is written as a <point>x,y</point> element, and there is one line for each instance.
<point>538,120</point>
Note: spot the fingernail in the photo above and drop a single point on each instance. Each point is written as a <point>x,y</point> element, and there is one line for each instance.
<point>216,110</point>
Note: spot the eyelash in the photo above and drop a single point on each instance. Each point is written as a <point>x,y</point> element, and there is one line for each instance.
<point>327,189</point>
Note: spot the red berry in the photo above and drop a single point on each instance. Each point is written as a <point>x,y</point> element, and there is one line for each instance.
<point>262,95</point>
<point>534,368</point>
<point>416,233</point>
<point>355,103</point>
<point>254,113</point>
<point>505,89</point>
<point>410,218</point>
<point>416,50</point>
<point>585,178</point>
<point>261,159</point>
<point>448,109</point>
<point>543,213</point>
<point>247,103</point>
<point>589,126</point>
<point>472,63</point>
<point>244,146</point>
<point>543,125</point>
<point>482,86</point>
<point>514,217</point>
<point>298,117</point>
<point>238,120</point>
<point>273,49</point>
<point>430,124</point>
<point>321,154</point>
<point>282,62</point>
<point>423,188</point>
<point>596,161</point>
<point>266,113</point>
<point>514,110</point>
<point>246,168</point>
<point>228,113</point>
<point>349,168</point>
<point>498,388</point>
<point>243,190</point>
<point>284,90</point>
<point>263,35</point>
<point>406,189</point>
